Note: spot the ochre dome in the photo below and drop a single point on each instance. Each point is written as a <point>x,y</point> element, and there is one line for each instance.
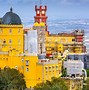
<point>11,18</point>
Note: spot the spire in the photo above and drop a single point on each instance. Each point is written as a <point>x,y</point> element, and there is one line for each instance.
<point>11,9</point>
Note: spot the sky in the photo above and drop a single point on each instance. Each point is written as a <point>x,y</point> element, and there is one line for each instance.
<point>56,9</point>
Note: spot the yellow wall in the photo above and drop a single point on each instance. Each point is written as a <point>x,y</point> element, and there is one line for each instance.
<point>19,63</point>
<point>58,43</point>
<point>33,71</point>
<point>30,76</point>
<point>47,71</point>
<point>39,75</point>
<point>60,39</point>
<point>11,37</point>
<point>3,61</point>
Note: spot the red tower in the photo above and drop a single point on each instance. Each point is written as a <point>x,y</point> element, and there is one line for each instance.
<point>41,14</point>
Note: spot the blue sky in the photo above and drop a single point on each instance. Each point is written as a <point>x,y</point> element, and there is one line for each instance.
<point>57,9</point>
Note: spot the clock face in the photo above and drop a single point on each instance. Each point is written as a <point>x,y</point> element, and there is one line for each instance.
<point>38,12</point>
<point>43,12</point>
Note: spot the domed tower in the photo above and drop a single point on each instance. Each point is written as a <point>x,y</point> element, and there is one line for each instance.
<point>11,18</point>
<point>11,33</point>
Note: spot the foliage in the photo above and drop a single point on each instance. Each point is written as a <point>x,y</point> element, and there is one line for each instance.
<point>86,84</point>
<point>64,72</point>
<point>11,79</point>
<point>55,84</point>
<point>87,72</point>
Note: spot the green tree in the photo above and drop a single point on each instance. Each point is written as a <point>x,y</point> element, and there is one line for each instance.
<point>11,79</point>
<point>64,72</point>
<point>86,84</point>
<point>87,72</point>
<point>54,84</point>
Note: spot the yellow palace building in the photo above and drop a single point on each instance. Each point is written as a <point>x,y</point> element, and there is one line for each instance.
<point>65,41</point>
<point>12,53</point>
<point>58,43</point>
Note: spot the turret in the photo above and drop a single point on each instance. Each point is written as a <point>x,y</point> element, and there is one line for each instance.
<point>41,15</point>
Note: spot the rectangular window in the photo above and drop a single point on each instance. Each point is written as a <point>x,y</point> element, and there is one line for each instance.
<point>10,47</point>
<point>19,31</point>
<point>27,62</point>
<point>22,60</point>
<point>10,41</point>
<point>53,67</point>
<point>73,39</point>
<point>56,67</point>
<point>46,68</point>
<point>40,30</point>
<point>10,31</point>
<point>4,41</point>
<point>27,69</point>
<point>50,68</point>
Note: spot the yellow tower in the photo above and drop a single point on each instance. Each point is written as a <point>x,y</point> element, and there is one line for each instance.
<point>11,33</point>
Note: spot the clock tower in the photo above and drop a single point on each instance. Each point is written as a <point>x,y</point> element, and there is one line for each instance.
<point>41,15</point>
